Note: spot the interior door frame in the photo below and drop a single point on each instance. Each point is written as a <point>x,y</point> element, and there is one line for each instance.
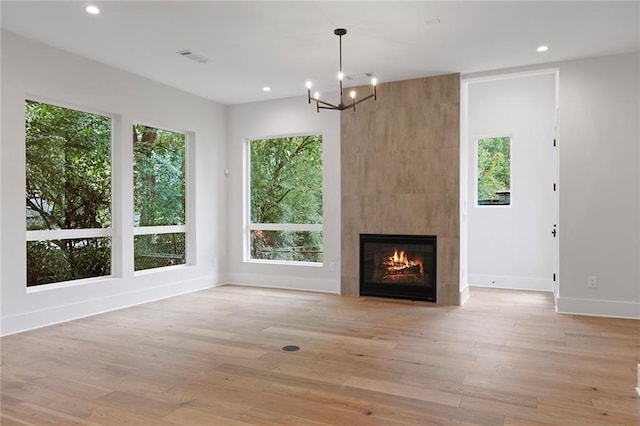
<point>465,162</point>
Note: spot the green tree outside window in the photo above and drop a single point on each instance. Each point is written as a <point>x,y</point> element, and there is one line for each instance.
<point>286,189</point>
<point>159,196</point>
<point>494,171</point>
<point>68,187</point>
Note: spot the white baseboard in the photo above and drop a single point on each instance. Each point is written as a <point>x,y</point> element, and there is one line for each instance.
<point>598,308</point>
<point>58,314</point>
<point>512,283</point>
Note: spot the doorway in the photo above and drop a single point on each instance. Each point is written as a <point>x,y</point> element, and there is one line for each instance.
<point>509,181</point>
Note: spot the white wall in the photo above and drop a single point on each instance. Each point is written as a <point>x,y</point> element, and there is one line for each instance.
<point>600,186</point>
<point>277,118</point>
<point>512,246</point>
<point>31,70</point>
<point>599,183</point>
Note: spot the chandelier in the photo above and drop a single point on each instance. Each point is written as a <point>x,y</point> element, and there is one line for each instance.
<point>320,104</point>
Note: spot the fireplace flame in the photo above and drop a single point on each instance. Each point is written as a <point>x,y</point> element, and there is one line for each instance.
<point>399,261</point>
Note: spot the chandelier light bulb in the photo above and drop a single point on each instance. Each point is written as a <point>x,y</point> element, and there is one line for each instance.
<point>340,75</point>
<point>353,94</point>
<point>374,81</point>
<point>309,84</point>
<point>316,95</point>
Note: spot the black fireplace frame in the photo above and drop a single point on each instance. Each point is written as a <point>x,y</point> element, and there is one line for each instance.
<point>399,291</point>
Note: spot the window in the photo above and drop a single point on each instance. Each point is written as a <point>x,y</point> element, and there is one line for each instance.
<point>159,197</point>
<point>285,199</point>
<point>494,171</point>
<point>68,194</point>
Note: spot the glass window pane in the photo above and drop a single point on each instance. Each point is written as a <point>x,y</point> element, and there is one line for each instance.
<point>158,177</point>
<point>286,180</point>
<point>66,260</point>
<point>158,250</point>
<point>494,171</point>
<point>298,246</point>
<point>68,168</point>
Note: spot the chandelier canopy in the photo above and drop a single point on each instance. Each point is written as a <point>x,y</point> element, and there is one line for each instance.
<point>320,104</point>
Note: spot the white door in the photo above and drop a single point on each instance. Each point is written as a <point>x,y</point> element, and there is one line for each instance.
<point>510,234</point>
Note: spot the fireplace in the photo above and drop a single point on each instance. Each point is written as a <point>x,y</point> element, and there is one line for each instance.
<point>398,266</point>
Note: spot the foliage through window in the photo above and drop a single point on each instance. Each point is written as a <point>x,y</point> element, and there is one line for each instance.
<point>285,188</point>
<point>159,197</point>
<point>494,171</point>
<point>68,194</point>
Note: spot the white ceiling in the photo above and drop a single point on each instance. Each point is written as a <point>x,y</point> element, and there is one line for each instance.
<point>284,44</point>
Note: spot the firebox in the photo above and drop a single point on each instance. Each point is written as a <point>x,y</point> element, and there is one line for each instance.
<point>398,266</point>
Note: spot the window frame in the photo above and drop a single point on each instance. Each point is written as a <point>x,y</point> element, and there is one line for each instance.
<point>189,138</point>
<point>294,227</point>
<point>78,233</point>
<point>476,169</point>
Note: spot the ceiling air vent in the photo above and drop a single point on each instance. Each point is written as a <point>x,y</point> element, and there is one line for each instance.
<point>193,56</point>
<point>361,76</point>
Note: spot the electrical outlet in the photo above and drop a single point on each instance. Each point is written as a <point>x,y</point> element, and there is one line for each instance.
<point>592,281</point>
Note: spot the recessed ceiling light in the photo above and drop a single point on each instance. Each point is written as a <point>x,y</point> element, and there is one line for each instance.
<point>542,48</point>
<point>92,10</point>
<point>266,89</point>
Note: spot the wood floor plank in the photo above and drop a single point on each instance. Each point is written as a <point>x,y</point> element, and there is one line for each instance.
<point>272,418</point>
<point>363,403</point>
<point>34,414</point>
<point>187,417</point>
<point>405,391</point>
<point>10,421</point>
<point>546,416</point>
<point>214,358</point>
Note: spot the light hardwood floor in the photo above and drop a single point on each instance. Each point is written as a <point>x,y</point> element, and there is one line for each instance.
<point>214,358</point>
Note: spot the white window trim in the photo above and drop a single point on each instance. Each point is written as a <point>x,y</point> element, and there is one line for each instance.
<point>65,234</point>
<point>284,262</point>
<point>249,226</point>
<point>285,227</point>
<point>169,229</point>
<point>72,283</point>
<point>68,234</point>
